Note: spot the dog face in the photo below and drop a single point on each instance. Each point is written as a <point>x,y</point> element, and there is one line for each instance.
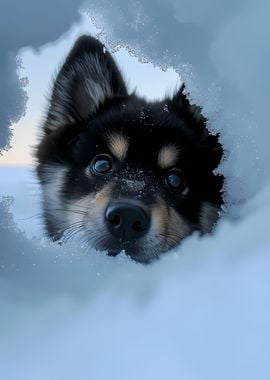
<point>119,172</point>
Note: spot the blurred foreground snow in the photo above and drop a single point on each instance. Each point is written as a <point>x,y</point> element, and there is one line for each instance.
<point>202,312</point>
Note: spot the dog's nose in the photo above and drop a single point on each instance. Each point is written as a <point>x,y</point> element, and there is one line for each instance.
<point>127,221</point>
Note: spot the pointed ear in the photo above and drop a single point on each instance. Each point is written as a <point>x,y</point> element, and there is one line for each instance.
<point>190,112</point>
<point>211,148</point>
<point>87,79</point>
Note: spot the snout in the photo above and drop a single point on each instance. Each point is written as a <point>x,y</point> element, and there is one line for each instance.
<point>127,221</point>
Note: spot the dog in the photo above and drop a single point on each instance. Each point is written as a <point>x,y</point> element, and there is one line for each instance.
<point>119,172</point>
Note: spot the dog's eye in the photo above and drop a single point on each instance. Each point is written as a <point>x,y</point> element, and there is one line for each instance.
<point>175,180</point>
<point>102,164</point>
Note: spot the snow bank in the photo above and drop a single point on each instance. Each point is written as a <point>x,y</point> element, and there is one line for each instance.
<point>18,20</point>
<point>202,312</point>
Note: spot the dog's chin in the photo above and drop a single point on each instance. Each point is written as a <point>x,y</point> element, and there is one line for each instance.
<point>133,250</point>
<point>138,257</point>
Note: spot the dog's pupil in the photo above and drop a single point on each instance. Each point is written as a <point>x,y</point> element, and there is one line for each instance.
<point>102,166</point>
<point>174,181</point>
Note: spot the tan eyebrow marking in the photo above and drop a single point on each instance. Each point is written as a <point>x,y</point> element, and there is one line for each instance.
<point>167,156</point>
<point>118,145</point>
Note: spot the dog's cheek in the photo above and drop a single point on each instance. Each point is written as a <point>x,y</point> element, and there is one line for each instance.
<point>94,205</point>
<point>103,198</point>
<point>53,177</point>
<point>209,215</point>
<point>170,226</point>
<point>177,228</point>
<point>159,214</point>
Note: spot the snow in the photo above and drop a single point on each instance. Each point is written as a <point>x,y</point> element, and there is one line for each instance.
<point>17,22</point>
<point>202,312</point>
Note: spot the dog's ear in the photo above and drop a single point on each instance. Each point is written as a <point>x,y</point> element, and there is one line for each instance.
<point>87,79</point>
<point>190,112</point>
<point>209,144</point>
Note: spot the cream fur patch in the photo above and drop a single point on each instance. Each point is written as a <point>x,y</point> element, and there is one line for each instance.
<point>118,145</point>
<point>167,156</point>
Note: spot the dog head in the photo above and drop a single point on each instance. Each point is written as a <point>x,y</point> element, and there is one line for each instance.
<point>121,172</point>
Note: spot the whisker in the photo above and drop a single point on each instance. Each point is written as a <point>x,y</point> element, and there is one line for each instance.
<point>39,215</point>
<point>71,230</point>
<point>80,212</point>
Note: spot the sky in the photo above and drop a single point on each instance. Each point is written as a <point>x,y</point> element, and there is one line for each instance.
<point>40,66</point>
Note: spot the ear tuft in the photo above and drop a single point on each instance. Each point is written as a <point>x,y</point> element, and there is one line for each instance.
<point>212,150</point>
<point>191,112</point>
<point>88,77</point>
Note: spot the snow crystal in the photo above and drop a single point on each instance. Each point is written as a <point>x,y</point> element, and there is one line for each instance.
<point>165,108</point>
<point>134,184</point>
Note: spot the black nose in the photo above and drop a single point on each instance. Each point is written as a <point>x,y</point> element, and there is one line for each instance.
<point>127,221</point>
